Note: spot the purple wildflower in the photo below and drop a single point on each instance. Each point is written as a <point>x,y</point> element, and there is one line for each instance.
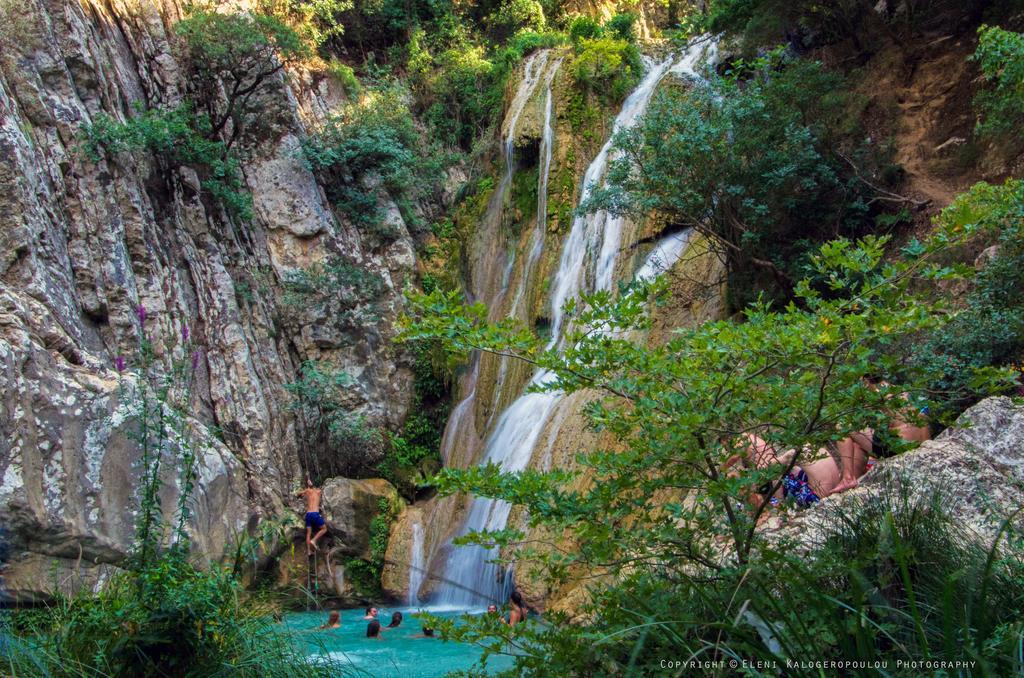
<point>195,359</point>
<point>119,363</point>
<point>140,311</point>
<point>184,334</point>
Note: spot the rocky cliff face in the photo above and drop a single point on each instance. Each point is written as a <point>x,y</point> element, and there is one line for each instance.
<point>84,244</point>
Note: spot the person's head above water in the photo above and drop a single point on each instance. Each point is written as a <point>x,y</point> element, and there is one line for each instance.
<point>492,608</point>
<point>371,612</point>
<point>334,617</point>
<point>428,632</point>
<point>516,599</point>
<point>373,629</point>
<point>396,620</point>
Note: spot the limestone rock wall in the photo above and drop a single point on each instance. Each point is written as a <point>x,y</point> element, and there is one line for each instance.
<point>83,244</point>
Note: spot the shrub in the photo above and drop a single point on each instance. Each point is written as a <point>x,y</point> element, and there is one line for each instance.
<point>168,618</point>
<point>179,137</point>
<point>316,21</point>
<point>607,68</point>
<point>517,15</point>
<point>371,143</point>
<point>584,28</point>
<point>414,454</point>
<point>1000,56</point>
<point>989,332</point>
<point>622,26</point>
<point>345,76</point>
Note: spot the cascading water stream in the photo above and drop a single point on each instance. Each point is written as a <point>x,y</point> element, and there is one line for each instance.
<point>417,564</point>
<point>470,577</point>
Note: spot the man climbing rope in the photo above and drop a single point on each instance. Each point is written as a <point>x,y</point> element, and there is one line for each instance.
<point>312,496</point>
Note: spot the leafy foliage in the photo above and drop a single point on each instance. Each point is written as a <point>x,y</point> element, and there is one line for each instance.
<point>179,137</point>
<point>622,26</point>
<point>167,618</point>
<point>765,166</point>
<point>517,15</point>
<point>1000,56</point>
<point>371,143</point>
<point>315,21</point>
<point>584,28</point>
<point>607,68</point>
<point>894,579</point>
<point>808,23</point>
<point>236,54</point>
<point>683,570</point>
<point>414,454</point>
<point>990,331</point>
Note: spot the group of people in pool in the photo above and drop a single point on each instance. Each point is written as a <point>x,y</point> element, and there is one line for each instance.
<point>518,612</point>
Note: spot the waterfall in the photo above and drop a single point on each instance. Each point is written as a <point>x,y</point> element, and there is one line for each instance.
<point>417,564</point>
<point>470,577</point>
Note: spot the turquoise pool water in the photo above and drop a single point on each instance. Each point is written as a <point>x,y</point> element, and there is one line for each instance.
<point>398,653</point>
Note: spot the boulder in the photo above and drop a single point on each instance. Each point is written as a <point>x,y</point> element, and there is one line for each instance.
<point>978,465</point>
<point>402,563</point>
<point>350,505</point>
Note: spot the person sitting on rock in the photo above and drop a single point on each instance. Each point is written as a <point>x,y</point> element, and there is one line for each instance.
<point>855,449</point>
<point>805,484</point>
<point>311,496</point>
<point>333,620</point>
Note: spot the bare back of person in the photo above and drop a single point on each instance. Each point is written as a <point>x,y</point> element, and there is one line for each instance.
<point>312,496</point>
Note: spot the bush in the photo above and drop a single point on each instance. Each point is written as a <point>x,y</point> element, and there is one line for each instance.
<point>606,68</point>
<point>345,76</point>
<point>895,579</point>
<point>316,21</point>
<point>989,332</point>
<point>517,15</point>
<point>622,26</point>
<point>371,143</point>
<point>179,137</point>
<point>1000,56</point>
<point>167,618</point>
<point>584,28</point>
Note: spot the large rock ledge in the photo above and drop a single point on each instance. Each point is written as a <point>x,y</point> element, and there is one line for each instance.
<point>978,465</point>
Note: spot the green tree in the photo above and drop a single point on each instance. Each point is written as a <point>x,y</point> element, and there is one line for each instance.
<point>517,15</point>
<point>764,165</point>
<point>236,55</point>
